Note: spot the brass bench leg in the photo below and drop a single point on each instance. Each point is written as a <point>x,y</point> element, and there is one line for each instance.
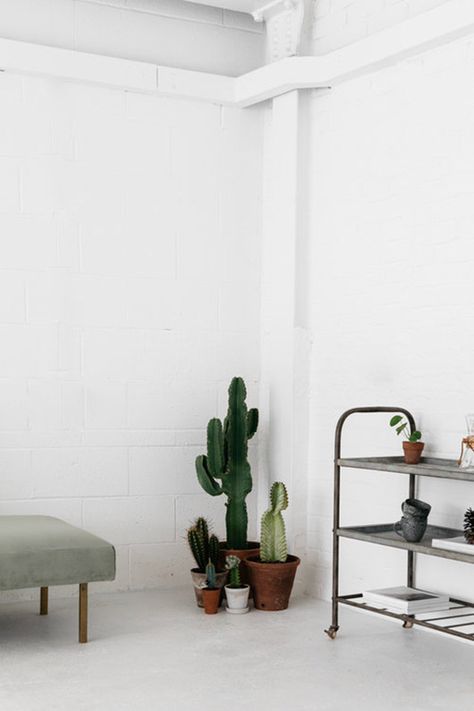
<point>83,612</point>
<point>43,601</point>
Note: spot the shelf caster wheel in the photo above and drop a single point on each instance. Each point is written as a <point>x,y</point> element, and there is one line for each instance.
<point>331,632</point>
<point>408,624</point>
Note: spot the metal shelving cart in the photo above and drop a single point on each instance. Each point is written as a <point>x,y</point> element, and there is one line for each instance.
<point>461,613</point>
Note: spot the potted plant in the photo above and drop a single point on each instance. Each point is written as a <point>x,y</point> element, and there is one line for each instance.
<point>211,594</point>
<point>412,447</point>
<point>236,592</point>
<point>273,573</point>
<point>204,548</point>
<point>225,468</point>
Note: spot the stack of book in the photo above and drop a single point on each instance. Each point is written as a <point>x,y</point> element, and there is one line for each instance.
<point>458,543</point>
<point>408,601</point>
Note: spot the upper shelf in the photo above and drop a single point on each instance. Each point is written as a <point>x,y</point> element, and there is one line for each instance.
<point>429,466</point>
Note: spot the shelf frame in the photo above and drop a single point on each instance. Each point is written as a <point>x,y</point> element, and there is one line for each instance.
<point>431,467</point>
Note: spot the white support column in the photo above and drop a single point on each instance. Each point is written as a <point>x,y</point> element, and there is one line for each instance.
<point>285,350</point>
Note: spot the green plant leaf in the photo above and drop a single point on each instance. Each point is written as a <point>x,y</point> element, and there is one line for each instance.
<point>400,428</point>
<point>395,420</point>
<point>415,436</point>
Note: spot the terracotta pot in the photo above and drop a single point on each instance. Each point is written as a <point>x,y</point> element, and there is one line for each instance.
<point>272,583</point>
<point>242,553</point>
<point>412,451</point>
<point>199,579</point>
<point>211,600</point>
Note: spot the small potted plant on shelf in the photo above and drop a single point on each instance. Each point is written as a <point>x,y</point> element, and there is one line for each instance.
<point>273,573</point>
<point>204,547</point>
<point>412,447</point>
<point>236,592</point>
<point>225,469</point>
<point>211,594</point>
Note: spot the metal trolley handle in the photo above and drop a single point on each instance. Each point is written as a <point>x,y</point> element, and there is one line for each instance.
<point>332,630</point>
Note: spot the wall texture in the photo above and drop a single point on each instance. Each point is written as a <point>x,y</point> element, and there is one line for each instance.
<point>129,242</point>
<point>391,281</point>
<point>169,32</point>
<point>337,23</point>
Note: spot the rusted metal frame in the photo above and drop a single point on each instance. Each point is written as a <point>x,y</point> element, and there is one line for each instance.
<point>332,630</point>
<point>83,613</point>
<point>410,620</point>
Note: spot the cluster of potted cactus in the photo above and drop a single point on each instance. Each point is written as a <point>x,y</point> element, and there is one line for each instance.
<point>264,570</point>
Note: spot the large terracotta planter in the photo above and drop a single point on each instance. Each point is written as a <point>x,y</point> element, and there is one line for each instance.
<point>271,583</point>
<point>199,579</point>
<point>211,600</point>
<point>412,451</point>
<point>253,549</point>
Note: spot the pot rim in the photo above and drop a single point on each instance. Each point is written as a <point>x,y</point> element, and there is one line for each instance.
<point>245,586</point>
<point>413,444</point>
<point>292,561</point>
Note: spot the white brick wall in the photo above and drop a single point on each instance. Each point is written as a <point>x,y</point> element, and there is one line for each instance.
<point>129,242</point>
<point>167,32</point>
<point>337,23</point>
<point>391,297</point>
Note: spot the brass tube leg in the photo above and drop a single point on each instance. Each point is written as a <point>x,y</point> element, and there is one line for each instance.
<point>43,601</point>
<point>83,612</point>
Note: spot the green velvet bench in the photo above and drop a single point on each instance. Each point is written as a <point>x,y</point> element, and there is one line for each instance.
<point>40,551</point>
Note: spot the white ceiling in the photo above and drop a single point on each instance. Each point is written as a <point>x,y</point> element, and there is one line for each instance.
<point>249,6</point>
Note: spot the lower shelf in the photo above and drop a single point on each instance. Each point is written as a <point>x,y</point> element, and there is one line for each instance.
<point>459,615</point>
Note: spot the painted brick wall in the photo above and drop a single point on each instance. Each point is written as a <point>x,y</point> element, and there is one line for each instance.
<point>129,243</point>
<point>169,32</point>
<point>391,300</point>
<point>337,23</point>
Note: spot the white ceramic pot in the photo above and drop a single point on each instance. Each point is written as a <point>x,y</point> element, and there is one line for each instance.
<point>237,599</point>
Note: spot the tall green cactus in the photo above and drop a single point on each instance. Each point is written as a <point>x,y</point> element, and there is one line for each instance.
<point>225,469</point>
<point>273,547</point>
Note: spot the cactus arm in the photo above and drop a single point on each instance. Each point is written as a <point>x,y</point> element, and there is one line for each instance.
<point>237,421</point>
<point>207,482</point>
<point>252,422</point>
<point>278,497</point>
<point>197,548</point>
<point>215,448</point>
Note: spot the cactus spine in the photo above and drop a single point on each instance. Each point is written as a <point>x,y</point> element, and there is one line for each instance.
<point>225,469</point>
<point>211,575</point>
<point>203,547</point>
<point>273,546</point>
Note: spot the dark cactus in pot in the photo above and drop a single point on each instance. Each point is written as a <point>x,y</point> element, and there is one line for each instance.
<point>225,468</point>
<point>204,548</point>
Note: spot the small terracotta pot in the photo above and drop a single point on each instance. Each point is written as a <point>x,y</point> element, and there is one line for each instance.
<point>211,600</point>
<point>272,583</point>
<point>253,549</point>
<point>199,579</point>
<point>412,451</point>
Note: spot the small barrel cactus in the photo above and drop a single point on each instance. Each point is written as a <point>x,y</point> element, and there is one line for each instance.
<point>211,575</point>
<point>203,547</point>
<point>232,564</point>
<point>469,526</point>
<point>273,546</point>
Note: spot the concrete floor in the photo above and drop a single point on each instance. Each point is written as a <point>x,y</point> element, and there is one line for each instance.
<point>154,651</point>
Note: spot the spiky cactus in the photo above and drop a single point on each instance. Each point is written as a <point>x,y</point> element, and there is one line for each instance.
<point>211,575</point>
<point>232,564</point>
<point>273,547</point>
<point>469,525</point>
<point>225,469</point>
<point>203,547</point>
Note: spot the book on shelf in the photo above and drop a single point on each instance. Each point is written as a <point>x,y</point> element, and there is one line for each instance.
<point>458,543</point>
<point>406,600</point>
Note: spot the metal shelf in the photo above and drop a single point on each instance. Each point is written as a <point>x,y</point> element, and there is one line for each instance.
<point>384,535</point>
<point>429,466</point>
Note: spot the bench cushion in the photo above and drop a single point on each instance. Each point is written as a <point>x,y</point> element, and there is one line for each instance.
<point>38,551</point>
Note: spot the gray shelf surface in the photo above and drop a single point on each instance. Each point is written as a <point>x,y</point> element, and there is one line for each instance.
<point>429,466</point>
<point>384,535</point>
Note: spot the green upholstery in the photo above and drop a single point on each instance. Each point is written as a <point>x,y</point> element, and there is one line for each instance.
<point>39,551</point>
